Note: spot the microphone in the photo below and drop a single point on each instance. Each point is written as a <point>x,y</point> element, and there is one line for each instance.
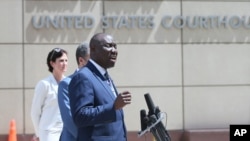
<point>157,131</point>
<point>155,124</point>
<point>150,104</point>
<point>143,116</point>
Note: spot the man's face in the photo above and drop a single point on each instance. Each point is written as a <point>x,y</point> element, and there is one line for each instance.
<point>83,61</point>
<point>107,52</point>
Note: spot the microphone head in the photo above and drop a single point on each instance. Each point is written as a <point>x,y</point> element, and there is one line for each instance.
<point>157,110</point>
<point>150,104</point>
<point>143,116</point>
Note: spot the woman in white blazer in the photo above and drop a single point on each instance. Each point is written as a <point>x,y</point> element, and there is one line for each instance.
<point>45,113</point>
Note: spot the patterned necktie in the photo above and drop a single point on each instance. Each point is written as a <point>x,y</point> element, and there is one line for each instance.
<point>106,75</point>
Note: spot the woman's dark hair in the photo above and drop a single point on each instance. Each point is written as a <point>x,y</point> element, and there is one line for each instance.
<point>53,55</point>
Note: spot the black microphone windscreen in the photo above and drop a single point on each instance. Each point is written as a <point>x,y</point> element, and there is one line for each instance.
<point>150,104</point>
<point>143,116</point>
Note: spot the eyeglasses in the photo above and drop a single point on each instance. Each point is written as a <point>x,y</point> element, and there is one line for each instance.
<point>53,52</point>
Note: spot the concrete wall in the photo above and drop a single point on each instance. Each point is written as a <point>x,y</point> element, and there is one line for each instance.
<point>200,77</point>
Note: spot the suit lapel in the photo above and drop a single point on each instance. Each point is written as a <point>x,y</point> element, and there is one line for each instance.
<point>100,78</point>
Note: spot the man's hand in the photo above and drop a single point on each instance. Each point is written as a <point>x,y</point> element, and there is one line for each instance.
<point>122,99</point>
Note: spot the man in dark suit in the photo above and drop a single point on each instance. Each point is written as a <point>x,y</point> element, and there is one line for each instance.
<point>69,131</point>
<point>96,106</point>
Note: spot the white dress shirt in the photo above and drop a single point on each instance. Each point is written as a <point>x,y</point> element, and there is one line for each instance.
<point>45,113</point>
<point>103,71</point>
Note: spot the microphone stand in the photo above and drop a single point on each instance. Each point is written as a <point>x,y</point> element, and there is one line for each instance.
<point>152,122</point>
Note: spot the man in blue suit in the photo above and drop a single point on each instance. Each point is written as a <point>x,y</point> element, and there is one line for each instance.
<point>96,106</point>
<point>69,132</point>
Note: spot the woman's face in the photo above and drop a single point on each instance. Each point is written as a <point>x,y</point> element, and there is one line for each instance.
<point>61,64</point>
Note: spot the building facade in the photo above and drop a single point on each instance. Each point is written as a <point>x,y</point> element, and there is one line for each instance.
<point>192,56</point>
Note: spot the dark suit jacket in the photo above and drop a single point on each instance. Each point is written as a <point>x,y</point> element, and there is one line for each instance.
<point>91,102</point>
<point>69,131</point>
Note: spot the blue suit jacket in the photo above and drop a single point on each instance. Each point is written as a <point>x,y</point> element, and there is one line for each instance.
<point>69,131</point>
<point>91,102</point>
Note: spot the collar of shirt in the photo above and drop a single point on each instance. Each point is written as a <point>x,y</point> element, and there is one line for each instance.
<point>99,68</point>
<point>53,79</point>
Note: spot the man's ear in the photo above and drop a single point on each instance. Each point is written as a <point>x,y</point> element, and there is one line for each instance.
<point>80,59</point>
<point>92,48</point>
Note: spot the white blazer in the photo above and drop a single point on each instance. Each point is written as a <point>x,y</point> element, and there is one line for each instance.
<point>45,113</point>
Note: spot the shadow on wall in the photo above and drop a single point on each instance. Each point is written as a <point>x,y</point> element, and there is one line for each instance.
<point>144,23</point>
<point>54,21</point>
<point>128,22</point>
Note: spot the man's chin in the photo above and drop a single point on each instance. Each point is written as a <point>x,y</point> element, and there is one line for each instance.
<point>111,65</point>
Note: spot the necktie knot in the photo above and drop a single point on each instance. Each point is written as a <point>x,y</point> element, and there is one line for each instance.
<point>106,76</point>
